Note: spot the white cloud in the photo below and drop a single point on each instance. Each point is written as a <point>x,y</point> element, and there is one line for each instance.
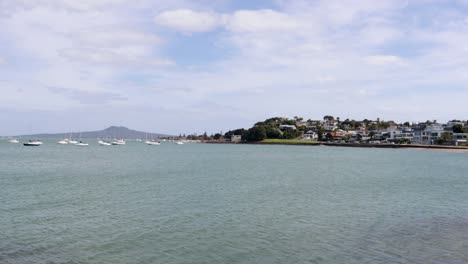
<point>188,21</point>
<point>261,21</point>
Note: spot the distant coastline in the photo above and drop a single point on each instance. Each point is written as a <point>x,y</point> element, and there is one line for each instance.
<point>350,145</point>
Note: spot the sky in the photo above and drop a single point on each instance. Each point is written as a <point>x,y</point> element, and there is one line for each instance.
<point>190,66</point>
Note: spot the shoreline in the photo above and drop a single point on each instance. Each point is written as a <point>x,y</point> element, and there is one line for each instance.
<point>354,145</point>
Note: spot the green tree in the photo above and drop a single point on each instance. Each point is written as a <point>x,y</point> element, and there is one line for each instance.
<point>273,132</point>
<point>458,128</point>
<point>320,132</point>
<point>447,136</point>
<point>256,133</point>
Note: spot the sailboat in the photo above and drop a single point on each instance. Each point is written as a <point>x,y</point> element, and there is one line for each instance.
<point>13,140</point>
<point>104,143</point>
<point>118,142</point>
<point>152,141</point>
<point>63,142</point>
<point>81,143</point>
<point>70,141</point>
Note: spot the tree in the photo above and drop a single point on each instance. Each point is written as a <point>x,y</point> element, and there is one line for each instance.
<point>256,133</point>
<point>328,117</point>
<point>290,134</point>
<point>297,118</point>
<point>241,132</point>
<point>458,128</point>
<point>320,132</point>
<point>273,132</point>
<point>447,136</point>
<point>217,136</point>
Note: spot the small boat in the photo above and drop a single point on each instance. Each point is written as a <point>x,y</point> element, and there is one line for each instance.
<point>104,143</point>
<point>63,142</point>
<point>14,141</point>
<point>152,142</point>
<point>73,142</point>
<point>81,144</point>
<point>33,143</point>
<point>118,142</point>
<point>179,142</point>
<point>138,140</point>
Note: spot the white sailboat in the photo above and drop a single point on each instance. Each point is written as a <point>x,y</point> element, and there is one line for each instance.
<point>118,142</point>
<point>81,144</point>
<point>63,142</point>
<point>104,143</point>
<point>71,141</point>
<point>151,142</point>
<point>13,140</point>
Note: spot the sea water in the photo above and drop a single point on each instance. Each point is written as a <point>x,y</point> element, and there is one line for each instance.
<point>206,203</point>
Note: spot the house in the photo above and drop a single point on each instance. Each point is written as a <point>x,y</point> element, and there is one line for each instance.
<point>236,138</point>
<point>310,135</point>
<point>460,138</point>
<point>329,125</point>
<point>429,135</point>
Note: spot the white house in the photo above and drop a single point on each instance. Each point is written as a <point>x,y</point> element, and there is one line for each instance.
<point>236,138</point>
<point>429,135</point>
<point>310,135</point>
<point>329,125</point>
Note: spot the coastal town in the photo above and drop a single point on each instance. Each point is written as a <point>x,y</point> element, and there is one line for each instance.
<point>334,130</point>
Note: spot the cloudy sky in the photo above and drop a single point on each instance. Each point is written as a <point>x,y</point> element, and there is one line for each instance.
<point>184,66</point>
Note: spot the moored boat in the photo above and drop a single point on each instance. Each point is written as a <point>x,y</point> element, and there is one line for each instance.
<point>104,143</point>
<point>63,142</point>
<point>33,143</point>
<point>118,142</point>
<point>82,144</point>
<point>152,142</point>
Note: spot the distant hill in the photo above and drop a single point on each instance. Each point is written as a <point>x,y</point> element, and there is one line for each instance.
<point>110,132</point>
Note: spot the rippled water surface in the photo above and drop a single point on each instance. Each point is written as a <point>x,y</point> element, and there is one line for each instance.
<point>199,203</point>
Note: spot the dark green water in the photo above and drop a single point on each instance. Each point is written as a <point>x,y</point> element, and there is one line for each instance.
<point>199,203</point>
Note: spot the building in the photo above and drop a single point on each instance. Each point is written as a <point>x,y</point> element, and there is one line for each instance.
<point>236,138</point>
<point>310,135</point>
<point>330,125</point>
<point>429,135</point>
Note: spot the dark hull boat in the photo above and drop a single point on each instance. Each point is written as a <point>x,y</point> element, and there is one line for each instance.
<point>33,143</point>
